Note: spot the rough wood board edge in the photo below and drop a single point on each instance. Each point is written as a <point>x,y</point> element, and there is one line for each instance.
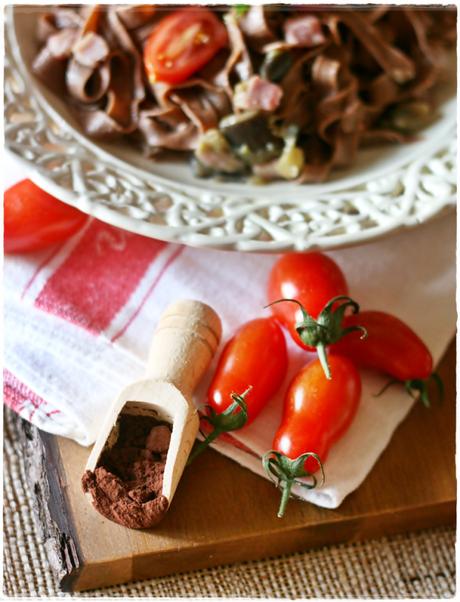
<point>61,542</point>
<point>299,539</point>
<point>50,502</point>
<point>68,562</point>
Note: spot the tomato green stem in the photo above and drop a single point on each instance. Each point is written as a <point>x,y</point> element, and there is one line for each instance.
<point>285,472</point>
<point>322,355</point>
<point>286,494</point>
<point>327,329</point>
<point>231,419</point>
<point>418,386</point>
<point>202,445</point>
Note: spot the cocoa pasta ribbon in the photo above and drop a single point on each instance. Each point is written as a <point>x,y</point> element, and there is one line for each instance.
<point>341,73</point>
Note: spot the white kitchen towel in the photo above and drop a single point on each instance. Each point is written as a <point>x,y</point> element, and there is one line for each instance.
<point>79,317</point>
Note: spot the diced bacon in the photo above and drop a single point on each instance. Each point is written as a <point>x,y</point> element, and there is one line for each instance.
<point>60,44</point>
<point>91,49</point>
<point>259,94</point>
<point>304,31</point>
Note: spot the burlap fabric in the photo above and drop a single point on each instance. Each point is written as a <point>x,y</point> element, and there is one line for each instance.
<point>416,565</point>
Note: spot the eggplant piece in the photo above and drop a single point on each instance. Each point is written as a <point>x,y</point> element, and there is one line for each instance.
<point>215,155</point>
<point>199,170</point>
<point>250,135</point>
<point>276,64</point>
<point>410,117</point>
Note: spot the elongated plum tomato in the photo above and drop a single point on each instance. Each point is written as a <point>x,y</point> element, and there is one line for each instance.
<point>256,355</point>
<point>182,43</point>
<point>317,412</point>
<point>33,219</point>
<point>390,347</point>
<point>313,279</point>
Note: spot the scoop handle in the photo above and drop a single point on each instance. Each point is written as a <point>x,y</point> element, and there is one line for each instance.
<point>183,345</point>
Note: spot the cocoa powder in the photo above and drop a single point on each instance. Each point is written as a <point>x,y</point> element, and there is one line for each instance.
<point>127,482</point>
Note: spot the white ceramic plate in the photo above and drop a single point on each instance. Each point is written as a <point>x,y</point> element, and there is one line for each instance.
<point>387,189</point>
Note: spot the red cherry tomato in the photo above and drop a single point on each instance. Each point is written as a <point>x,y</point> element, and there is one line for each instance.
<point>318,411</point>
<point>255,356</point>
<point>390,347</point>
<point>33,219</point>
<point>182,43</point>
<point>313,279</point>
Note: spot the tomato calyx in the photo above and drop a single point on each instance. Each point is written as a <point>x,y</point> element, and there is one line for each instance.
<point>231,419</point>
<point>327,329</point>
<point>285,472</point>
<point>418,388</point>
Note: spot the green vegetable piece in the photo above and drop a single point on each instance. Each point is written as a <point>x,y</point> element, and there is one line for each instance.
<point>250,129</point>
<point>214,152</point>
<point>241,9</point>
<point>290,163</point>
<point>418,388</point>
<point>276,64</point>
<point>231,419</point>
<point>327,328</point>
<point>284,472</point>
<point>410,117</point>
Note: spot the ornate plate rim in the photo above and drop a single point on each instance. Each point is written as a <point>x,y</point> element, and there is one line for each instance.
<point>172,210</point>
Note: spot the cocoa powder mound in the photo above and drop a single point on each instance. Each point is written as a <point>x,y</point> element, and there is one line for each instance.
<point>127,482</point>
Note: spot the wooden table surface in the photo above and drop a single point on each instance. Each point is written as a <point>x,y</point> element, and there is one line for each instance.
<point>223,513</point>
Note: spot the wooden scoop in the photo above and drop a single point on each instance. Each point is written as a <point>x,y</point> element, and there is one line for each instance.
<point>182,348</point>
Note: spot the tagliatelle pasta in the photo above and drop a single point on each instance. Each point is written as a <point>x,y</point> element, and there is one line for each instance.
<point>293,93</point>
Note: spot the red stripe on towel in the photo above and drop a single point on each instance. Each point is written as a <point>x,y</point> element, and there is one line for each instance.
<point>18,397</point>
<point>152,287</point>
<point>99,276</point>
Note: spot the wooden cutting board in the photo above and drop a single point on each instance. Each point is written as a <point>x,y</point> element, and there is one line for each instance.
<point>223,513</point>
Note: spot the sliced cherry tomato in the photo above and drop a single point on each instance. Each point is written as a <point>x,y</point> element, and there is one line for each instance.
<point>182,43</point>
<point>390,346</point>
<point>313,279</point>
<point>33,219</point>
<point>255,356</point>
<point>317,412</point>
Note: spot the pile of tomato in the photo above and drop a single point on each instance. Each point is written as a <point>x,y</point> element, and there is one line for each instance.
<point>308,296</point>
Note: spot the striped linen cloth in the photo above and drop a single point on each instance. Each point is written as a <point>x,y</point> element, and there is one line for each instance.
<point>79,316</point>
